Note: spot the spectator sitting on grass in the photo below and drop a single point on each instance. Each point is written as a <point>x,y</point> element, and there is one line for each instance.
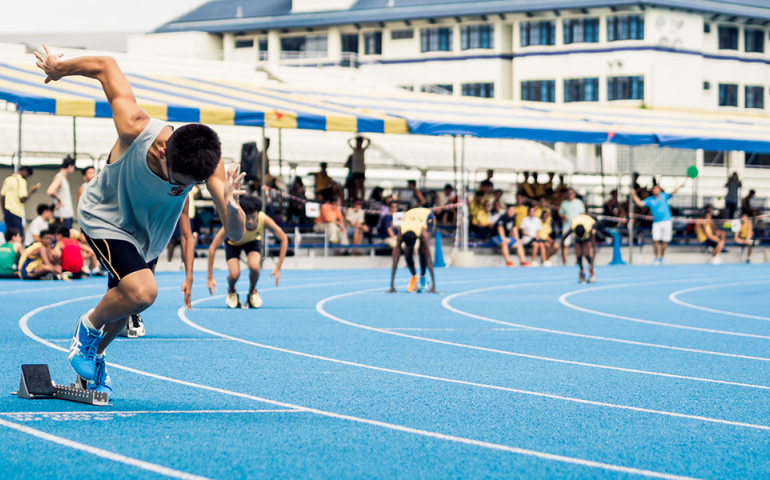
<point>38,262</point>
<point>508,236</point>
<point>10,252</point>
<point>356,226</point>
<point>385,228</point>
<point>745,235</point>
<point>40,223</point>
<point>71,252</point>
<point>481,223</point>
<point>530,227</point>
<point>710,236</point>
<point>331,221</point>
<point>547,245</point>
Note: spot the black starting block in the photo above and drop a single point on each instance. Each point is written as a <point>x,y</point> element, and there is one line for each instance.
<point>36,383</point>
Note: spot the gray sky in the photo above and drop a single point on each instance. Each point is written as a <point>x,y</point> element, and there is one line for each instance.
<point>89,15</point>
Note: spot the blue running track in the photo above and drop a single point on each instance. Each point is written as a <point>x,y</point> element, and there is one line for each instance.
<point>653,372</point>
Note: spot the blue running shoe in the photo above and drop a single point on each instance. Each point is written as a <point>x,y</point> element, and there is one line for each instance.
<point>101,381</point>
<point>82,354</point>
<point>423,284</point>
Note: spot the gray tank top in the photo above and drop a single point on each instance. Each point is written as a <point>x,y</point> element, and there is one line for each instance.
<point>127,201</point>
<point>65,211</point>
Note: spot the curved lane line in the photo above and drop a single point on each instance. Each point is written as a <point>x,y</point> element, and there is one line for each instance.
<point>563,301</point>
<point>445,304</point>
<point>23,324</point>
<point>673,298</point>
<point>182,316</point>
<point>322,311</point>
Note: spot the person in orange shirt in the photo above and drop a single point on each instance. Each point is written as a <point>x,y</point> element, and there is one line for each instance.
<point>332,222</point>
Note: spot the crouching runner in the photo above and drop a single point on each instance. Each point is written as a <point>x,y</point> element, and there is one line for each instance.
<point>417,226</point>
<point>584,231</point>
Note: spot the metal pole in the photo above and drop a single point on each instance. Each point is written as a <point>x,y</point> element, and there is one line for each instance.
<point>263,194</point>
<point>454,159</point>
<point>631,211</point>
<point>18,156</point>
<point>280,154</point>
<point>465,197</point>
<point>74,138</point>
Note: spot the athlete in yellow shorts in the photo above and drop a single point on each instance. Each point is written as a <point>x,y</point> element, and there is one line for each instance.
<point>585,244</point>
<point>418,223</point>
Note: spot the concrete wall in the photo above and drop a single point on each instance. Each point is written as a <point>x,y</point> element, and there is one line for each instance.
<point>184,44</point>
<point>44,176</point>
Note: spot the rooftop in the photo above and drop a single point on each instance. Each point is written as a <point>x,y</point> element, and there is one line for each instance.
<point>240,15</point>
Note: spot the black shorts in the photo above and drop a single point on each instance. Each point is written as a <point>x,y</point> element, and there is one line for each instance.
<point>234,251</point>
<point>710,243</point>
<point>119,258</point>
<point>358,176</point>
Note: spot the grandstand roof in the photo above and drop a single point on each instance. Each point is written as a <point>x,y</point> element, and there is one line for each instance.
<point>242,15</point>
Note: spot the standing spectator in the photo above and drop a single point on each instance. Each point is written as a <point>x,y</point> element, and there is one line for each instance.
<point>530,228</point>
<point>296,213</point>
<point>731,199</point>
<point>490,174</point>
<point>662,221</point>
<point>412,196</point>
<point>331,221</point>
<point>357,165</point>
<point>60,191</point>
<point>745,235</point>
<point>13,196</point>
<point>40,223</point>
<point>89,173</point>
<point>746,206</point>
<point>710,236</point>
<point>10,252</point>
<point>569,210</point>
<point>613,208</point>
<point>446,216</point>
<point>356,226</point>
<point>323,182</point>
<point>385,228</point>
<point>508,236</point>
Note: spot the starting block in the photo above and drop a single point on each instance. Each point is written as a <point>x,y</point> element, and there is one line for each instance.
<point>36,383</point>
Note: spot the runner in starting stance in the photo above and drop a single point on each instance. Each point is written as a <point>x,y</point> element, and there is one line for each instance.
<point>417,226</point>
<point>585,244</point>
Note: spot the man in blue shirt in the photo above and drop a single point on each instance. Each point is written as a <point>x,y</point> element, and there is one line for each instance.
<point>662,223</point>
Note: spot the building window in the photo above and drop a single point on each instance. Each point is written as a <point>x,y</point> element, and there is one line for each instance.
<point>706,28</point>
<point>245,43</point>
<point>728,95</point>
<point>625,88</point>
<point>262,44</point>
<point>373,43</point>
<point>350,43</point>
<point>538,33</point>
<point>401,34</point>
<point>442,89</point>
<point>728,38</point>
<point>626,27</point>
<point>436,39</point>
<point>584,30</point>
<point>483,90</point>
<point>581,90</point>
<point>477,36</point>
<point>713,158</point>
<point>311,46</point>
<point>539,91</point>
<point>757,160</point>
<point>755,97</point>
<point>408,88</point>
<point>755,41</point>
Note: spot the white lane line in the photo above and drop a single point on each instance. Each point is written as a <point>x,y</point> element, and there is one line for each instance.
<point>563,301</point>
<point>148,412</point>
<point>146,339</point>
<point>115,457</point>
<point>454,329</point>
<point>673,298</point>
<point>23,324</point>
<point>322,311</point>
<point>445,304</point>
<point>183,316</point>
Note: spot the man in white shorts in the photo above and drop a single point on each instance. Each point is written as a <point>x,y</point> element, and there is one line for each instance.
<point>662,221</point>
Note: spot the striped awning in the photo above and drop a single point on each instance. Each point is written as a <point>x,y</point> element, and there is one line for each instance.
<point>181,99</point>
<point>230,102</point>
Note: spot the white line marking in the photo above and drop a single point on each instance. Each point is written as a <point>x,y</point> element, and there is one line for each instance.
<point>23,324</point>
<point>673,298</point>
<point>146,339</point>
<point>322,311</point>
<point>183,316</point>
<point>149,412</point>
<point>454,329</point>
<point>115,457</point>
<point>563,301</point>
<point>445,304</point>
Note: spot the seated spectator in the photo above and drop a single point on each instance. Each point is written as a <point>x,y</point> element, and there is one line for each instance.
<point>530,227</point>
<point>476,204</point>
<point>522,209</point>
<point>71,252</point>
<point>332,222</point>
<point>323,182</point>
<point>356,226</point>
<point>412,195</point>
<point>498,207</point>
<point>560,192</point>
<point>541,207</point>
<point>385,229</point>
<point>446,216</point>
<point>613,208</point>
<point>40,223</point>
<point>710,236</point>
<point>545,236</point>
<point>296,212</point>
<point>527,187</point>
<point>10,252</point>
<point>481,224</point>
<point>746,206</point>
<point>38,262</point>
<point>508,236</point>
<point>745,235</point>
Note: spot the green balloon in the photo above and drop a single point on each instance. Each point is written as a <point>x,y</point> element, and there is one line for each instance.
<point>692,172</point>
